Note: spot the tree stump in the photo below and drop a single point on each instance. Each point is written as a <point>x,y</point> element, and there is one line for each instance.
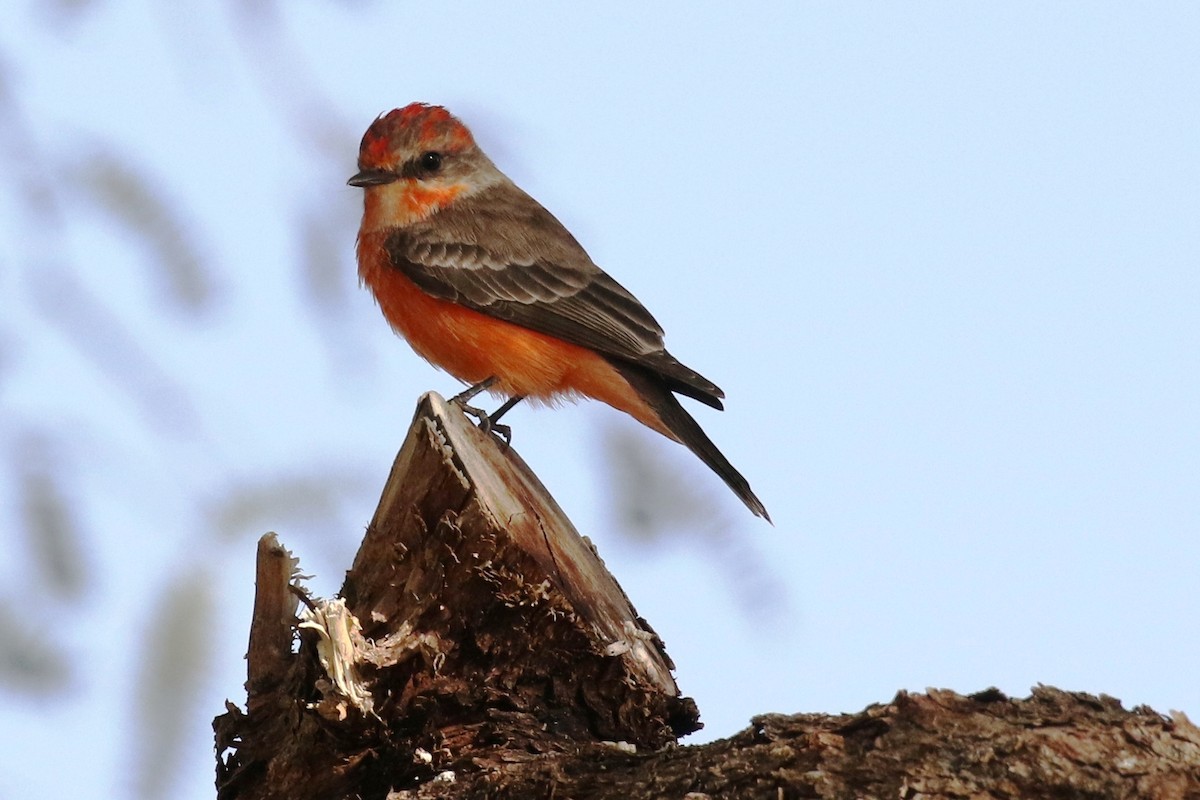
<point>475,629</point>
<point>479,648</point>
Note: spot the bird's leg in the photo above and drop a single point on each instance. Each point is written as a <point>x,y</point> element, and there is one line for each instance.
<point>508,406</point>
<point>504,430</point>
<point>460,400</point>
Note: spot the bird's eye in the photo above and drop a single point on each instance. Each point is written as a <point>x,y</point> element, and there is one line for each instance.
<point>431,162</point>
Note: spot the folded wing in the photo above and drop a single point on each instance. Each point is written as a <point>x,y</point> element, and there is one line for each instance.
<point>533,273</point>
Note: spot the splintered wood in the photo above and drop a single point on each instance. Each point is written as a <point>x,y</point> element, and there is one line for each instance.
<point>476,628</point>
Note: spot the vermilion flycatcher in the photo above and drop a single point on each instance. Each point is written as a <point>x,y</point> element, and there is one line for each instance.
<point>486,284</point>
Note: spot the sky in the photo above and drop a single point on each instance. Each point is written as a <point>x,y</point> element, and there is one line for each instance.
<point>942,258</point>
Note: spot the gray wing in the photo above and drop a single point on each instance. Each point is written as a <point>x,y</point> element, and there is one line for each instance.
<point>531,272</point>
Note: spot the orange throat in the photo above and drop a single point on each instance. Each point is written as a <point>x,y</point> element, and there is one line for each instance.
<point>405,202</point>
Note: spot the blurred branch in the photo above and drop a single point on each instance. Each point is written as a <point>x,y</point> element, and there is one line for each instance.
<point>176,659</point>
<point>29,659</point>
<point>117,188</point>
<point>654,498</point>
<point>305,499</point>
<point>104,339</point>
<point>324,259</point>
<point>50,524</point>
<point>289,83</point>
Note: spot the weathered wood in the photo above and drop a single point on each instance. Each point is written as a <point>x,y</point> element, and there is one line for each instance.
<point>274,618</point>
<point>476,628</point>
<point>1053,745</point>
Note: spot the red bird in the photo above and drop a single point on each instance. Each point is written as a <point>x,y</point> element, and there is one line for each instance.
<point>486,284</point>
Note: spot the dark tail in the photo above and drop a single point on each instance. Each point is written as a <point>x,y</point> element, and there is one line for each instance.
<point>654,391</point>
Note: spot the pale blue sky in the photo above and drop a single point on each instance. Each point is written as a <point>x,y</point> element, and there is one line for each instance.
<point>942,257</point>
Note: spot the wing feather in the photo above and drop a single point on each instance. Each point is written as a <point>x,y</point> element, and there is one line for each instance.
<point>533,273</point>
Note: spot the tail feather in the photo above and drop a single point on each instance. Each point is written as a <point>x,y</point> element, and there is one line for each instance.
<point>683,379</point>
<point>658,395</point>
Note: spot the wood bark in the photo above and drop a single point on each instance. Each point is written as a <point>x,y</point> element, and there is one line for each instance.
<point>479,648</point>
<point>940,745</point>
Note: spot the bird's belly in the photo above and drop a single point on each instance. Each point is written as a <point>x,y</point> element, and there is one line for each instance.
<point>472,346</point>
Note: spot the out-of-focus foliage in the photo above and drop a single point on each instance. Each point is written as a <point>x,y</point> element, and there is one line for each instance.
<point>658,495</point>
<point>55,190</point>
<point>115,189</point>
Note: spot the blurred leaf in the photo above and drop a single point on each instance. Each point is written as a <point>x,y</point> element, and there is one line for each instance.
<point>290,84</point>
<point>25,170</point>
<point>323,259</point>
<point>327,279</point>
<point>655,496</point>
<point>262,13</point>
<point>116,187</point>
<point>176,657</point>
<point>58,11</point>
<point>308,499</point>
<point>29,660</point>
<point>6,348</point>
<point>104,340</point>
<point>50,520</point>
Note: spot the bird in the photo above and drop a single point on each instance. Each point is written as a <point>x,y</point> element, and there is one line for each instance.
<point>486,284</point>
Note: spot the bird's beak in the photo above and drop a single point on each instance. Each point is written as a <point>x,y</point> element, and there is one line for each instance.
<point>373,177</point>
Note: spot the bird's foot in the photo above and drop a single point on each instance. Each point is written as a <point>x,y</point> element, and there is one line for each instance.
<point>486,422</point>
<point>504,432</point>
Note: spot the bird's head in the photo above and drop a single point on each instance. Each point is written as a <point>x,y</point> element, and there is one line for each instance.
<point>415,160</point>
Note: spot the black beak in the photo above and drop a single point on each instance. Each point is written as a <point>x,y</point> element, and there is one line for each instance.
<point>373,177</point>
